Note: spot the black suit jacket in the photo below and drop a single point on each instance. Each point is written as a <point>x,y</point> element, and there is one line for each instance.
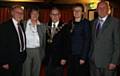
<point>9,44</point>
<point>54,50</point>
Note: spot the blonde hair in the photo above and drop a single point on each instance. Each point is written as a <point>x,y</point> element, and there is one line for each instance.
<point>107,3</point>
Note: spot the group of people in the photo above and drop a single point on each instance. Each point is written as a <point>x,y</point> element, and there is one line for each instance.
<point>85,48</point>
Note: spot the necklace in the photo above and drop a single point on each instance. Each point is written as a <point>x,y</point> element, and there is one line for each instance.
<point>32,28</point>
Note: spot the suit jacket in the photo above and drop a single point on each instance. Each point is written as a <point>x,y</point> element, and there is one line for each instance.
<point>106,46</point>
<point>9,44</point>
<point>84,37</point>
<point>41,29</point>
<point>54,49</point>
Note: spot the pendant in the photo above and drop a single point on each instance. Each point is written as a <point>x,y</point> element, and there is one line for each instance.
<point>49,40</point>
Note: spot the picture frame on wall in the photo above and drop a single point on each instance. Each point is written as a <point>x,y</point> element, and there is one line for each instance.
<point>92,14</point>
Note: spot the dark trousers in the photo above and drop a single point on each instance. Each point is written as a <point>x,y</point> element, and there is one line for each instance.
<point>54,70</point>
<point>95,71</point>
<point>75,69</point>
<point>14,70</point>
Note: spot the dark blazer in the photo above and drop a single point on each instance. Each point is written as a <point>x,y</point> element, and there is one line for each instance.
<point>106,46</point>
<point>54,49</point>
<point>9,45</point>
<point>85,39</point>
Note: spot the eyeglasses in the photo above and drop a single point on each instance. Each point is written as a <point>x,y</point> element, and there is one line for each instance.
<point>20,13</point>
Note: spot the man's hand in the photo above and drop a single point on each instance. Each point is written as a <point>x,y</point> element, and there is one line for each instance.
<point>111,66</point>
<point>82,61</point>
<point>63,62</point>
<point>6,66</point>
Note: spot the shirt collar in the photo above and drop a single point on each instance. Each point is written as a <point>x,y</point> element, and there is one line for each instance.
<point>56,24</point>
<point>15,23</point>
<point>103,18</point>
<point>30,23</point>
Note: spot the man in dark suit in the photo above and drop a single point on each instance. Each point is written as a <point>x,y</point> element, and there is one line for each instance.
<point>105,49</point>
<point>77,43</point>
<point>12,44</point>
<point>54,44</point>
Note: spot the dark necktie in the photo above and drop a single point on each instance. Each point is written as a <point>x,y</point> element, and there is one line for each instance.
<point>21,37</point>
<point>97,28</point>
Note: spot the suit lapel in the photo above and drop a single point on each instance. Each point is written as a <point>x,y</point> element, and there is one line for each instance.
<point>50,25</point>
<point>94,29</point>
<point>14,29</point>
<point>40,32</point>
<point>60,23</point>
<point>13,32</point>
<point>104,26</point>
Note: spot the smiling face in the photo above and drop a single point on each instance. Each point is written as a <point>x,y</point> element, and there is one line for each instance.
<point>55,15</point>
<point>34,15</point>
<point>77,12</point>
<point>17,13</point>
<point>102,9</point>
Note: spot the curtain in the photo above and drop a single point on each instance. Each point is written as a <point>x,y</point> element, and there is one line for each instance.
<point>4,14</point>
<point>116,12</point>
<point>66,14</point>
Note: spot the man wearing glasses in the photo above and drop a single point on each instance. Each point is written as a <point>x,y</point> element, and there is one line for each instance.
<point>12,44</point>
<point>54,45</point>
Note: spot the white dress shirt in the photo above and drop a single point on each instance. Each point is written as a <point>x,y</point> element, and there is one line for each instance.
<point>56,24</point>
<point>16,27</point>
<point>32,36</point>
<point>102,20</point>
<point>53,28</point>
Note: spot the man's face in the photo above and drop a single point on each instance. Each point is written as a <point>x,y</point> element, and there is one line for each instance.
<point>34,15</point>
<point>102,9</point>
<point>55,15</point>
<point>77,12</point>
<point>18,14</point>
